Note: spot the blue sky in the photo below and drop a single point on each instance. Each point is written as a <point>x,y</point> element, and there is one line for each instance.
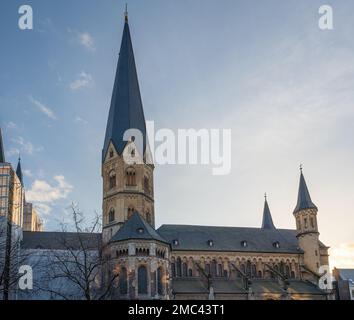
<point>262,68</point>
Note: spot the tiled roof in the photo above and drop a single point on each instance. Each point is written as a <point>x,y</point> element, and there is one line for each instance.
<point>126,110</point>
<point>60,240</point>
<point>137,228</point>
<point>197,238</point>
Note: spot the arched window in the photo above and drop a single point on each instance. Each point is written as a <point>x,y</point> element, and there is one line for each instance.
<point>130,211</point>
<point>298,223</point>
<point>146,185</point>
<point>220,270</point>
<point>254,271</point>
<point>130,177</point>
<point>213,268</point>
<point>111,153</point>
<point>259,274</point>
<point>248,268</point>
<point>184,269</point>
<point>190,273</point>
<point>112,179</point>
<point>142,280</point>
<point>207,269</point>
<point>123,286</point>
<point>243,268</point>
<point>292,275</point>
<point>148,217</point>
<point>312,221</point>
<point>159,281</point>
<point>287,271</point>
<point>179,267</point>
<point>173,269</point>
<point>111,215</point>
<point>305,222</point>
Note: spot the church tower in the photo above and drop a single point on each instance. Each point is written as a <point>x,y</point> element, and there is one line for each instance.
<point>127,174</point>
<point>305,214</point>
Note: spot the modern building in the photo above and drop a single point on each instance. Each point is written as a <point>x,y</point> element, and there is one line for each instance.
<point>344,283</point>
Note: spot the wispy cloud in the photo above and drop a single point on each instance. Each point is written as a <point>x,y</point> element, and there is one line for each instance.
<point>86,40</point>
<point>25,146</point>
<point>80,120</point>
<point>43,208</point>
<point>10,125</point>
<point>43,108</point>
<point>44,194</point>
<point>342,256</point>
<point>28,173</point>
<point>83,80</point>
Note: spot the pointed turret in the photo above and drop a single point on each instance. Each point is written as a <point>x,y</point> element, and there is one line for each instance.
<point>2,153</point>
<point>19,170</point>
<point>303,199</point>
<point>126,110</point>
<point>267,222</point>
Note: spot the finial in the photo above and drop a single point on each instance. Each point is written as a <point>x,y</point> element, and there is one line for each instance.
<point>265,196</point>
<point>301,167</point>
<point>126,13</point>
<point>19,157</point>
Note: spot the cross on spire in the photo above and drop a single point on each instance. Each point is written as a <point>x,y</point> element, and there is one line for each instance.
<point>126,13</point>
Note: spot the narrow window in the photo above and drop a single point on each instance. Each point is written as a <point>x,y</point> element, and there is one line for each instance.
<point>312,223</point>
<point>173,270</point>
<point>184,269</point>
<point>142,280</point>
<point>305,222</point>
<point>123,286</point>
<point>111,215</point>
<point>112,179</point>
<point>159,281</point>
<point>179,267</point>
<point>190,273</point>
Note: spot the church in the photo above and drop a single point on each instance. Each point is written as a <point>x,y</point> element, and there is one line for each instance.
<point>189,261</point>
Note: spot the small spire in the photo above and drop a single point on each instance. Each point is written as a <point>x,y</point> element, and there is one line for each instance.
<point>126,13</point>
<point>2,153</point>
<point>303,199</point>
<point>267,222</point>
<point>19,170</point>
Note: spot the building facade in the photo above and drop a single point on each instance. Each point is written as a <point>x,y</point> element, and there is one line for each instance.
<point>188,261</point>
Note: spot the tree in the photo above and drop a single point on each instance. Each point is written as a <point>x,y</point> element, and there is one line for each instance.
<point>11,258</point>
<point>74,266</point>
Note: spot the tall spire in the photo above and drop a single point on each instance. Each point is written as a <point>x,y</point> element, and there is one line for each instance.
<point>126,110</point>
<point>267,222</point>
<point>303,199</point>
<point>2,153</point>
<point>19,170</point>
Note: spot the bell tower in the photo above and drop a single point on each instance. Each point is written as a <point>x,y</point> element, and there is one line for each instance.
<point>305,214</point>
<point>127,174</point>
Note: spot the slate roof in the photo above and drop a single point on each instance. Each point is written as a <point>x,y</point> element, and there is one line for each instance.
<point>126,110</point>
<point>267,222</point>
<point>137,228</point>
<point>19,171</point>
<point>346,274</point>
<point>234,286</point>
<point>2,153</point>
<point>303,199</point>
<point>60,240</point>
<point>229,238</point>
